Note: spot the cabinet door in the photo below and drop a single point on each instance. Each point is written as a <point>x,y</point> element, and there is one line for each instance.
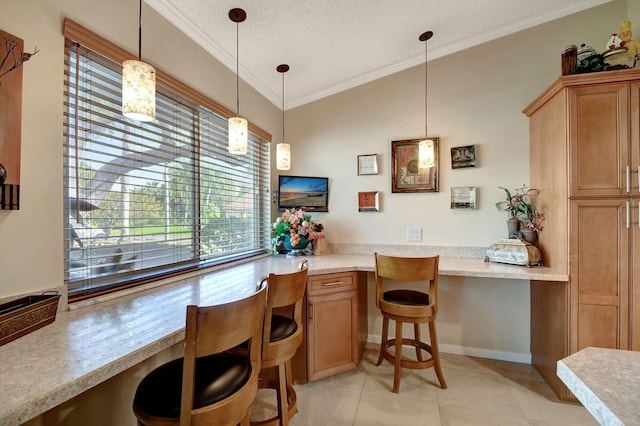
<point>634,313</point>
<point>599,273</point>
<point>332,333</point>
<point>599,140</point>
<point>635,138</point>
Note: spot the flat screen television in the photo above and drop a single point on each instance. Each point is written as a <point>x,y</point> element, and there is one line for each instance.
<point>305,192</point>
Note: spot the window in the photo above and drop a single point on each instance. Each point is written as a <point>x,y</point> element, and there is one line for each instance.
<point>144,200</point>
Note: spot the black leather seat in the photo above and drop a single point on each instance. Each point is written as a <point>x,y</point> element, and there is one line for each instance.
<point>217,377</point>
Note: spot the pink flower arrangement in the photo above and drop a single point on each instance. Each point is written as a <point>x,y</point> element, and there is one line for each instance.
<point>297,224</point>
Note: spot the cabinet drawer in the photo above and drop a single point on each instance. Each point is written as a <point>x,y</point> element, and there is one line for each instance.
<point>328,283</point>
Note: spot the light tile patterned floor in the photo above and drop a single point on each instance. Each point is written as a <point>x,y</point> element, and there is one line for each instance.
<point>480,392</point>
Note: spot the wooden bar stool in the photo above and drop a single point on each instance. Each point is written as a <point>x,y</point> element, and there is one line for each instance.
<point>209,385</point>
<point>282,335</point>
<point>408,306</point>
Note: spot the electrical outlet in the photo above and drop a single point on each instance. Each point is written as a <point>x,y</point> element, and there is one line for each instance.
<point>414,235</point>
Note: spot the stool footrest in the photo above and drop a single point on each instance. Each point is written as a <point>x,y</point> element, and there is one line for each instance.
<point>409,363</point>
<point>292,402</point>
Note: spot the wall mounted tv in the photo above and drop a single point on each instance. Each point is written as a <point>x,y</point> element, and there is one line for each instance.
<point>308,193</point>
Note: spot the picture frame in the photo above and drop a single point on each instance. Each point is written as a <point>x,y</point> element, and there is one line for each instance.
<point>369,201</point>
<point>406,175</point>
<point>463,197</point>
<point>368,164</point>
<point>463,157</point>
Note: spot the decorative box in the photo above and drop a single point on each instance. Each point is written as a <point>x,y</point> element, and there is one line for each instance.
<point>514,252</point>
<point>22,316</point>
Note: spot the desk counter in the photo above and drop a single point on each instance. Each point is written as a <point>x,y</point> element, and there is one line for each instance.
<point>87,345</point>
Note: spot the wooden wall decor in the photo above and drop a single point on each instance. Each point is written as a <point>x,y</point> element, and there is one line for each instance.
<point>11,57</point>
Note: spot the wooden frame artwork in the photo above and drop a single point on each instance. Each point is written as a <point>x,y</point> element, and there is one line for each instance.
<point>406,175</point>
<point>10,119</point>
<point>463,157</point>
<point>368,164</point>
<point>368,201</point>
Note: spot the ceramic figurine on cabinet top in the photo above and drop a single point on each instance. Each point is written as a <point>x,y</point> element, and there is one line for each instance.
<point>614,41</point>
<point>632,46</point>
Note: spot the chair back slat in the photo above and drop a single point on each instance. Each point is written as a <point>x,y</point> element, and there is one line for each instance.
<point>414,269</point>
<point>285,290</point>
<point>213,329</point>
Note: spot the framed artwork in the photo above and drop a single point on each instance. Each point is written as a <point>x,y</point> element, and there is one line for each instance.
<point>463,197</point>
<point>406,175</point>
<point>10,119</point>
<point>369,201</point>
<point>368,164</point>
<point>463,157</point>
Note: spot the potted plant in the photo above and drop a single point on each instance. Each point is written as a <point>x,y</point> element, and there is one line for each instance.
<point>523,214</point>
<point>294,229</point>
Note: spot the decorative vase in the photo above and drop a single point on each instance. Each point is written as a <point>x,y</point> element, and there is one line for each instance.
<point>320,247</point>
<point>530,236</point>
<point>513,228</point>
<point>297,249</point>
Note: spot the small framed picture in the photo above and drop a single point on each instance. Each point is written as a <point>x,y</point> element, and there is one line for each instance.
<point>463,197</point>
<point>368,164</point>
<point>463,157</point>
<point>369,201</point>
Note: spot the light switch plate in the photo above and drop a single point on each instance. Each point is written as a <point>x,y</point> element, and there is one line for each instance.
<point>414,235</point>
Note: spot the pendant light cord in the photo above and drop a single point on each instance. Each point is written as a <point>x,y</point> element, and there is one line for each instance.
<point>426,80</point>
<point>140,33</point>
<point>237,68</point>
<point>282,107</point>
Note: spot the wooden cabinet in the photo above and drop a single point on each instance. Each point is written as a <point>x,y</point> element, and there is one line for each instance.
<point>599,271</point>
<point>585,158</point>
<point>336,325</point>
<point>599,140</point>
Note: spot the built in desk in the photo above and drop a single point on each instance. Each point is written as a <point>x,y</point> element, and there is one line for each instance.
<point>88,345</point>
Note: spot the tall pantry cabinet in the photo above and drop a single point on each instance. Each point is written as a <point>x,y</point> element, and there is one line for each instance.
<point>585,160</point>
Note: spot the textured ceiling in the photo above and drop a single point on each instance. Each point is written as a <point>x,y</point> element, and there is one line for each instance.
<point>333,45</point>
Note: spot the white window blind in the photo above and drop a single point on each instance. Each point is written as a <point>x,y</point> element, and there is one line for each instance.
<point>147,199</point>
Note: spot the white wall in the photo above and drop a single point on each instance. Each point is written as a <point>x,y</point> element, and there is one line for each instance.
<point>475,98</point>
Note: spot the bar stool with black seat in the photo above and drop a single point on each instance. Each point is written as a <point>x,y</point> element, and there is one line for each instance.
<point>209,385</point>
<point>405,305</point>
<point>282,336</point>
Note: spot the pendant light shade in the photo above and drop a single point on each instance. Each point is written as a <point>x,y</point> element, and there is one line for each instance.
<point>238,135</point>
<point>238,126</point>
<point>283,150</point>
<point>426,150</point>
<point>138,85</point>
<point>283,156</point>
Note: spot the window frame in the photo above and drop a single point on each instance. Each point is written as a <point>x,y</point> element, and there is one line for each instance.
<point>75,35</point>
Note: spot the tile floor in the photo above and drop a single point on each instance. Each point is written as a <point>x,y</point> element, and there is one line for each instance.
<point>480,392</point>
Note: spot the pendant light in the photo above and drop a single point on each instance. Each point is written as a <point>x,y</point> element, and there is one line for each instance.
<point>138,85</point>
<point>283,150</point>
<point>426,151</point>
<point>238,133</point>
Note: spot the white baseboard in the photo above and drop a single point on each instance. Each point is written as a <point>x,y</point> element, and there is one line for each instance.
<point>524,358</point>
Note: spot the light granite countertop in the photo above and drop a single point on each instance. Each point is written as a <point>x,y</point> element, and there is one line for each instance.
<point>98,339</point>
<point>606,382</point>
